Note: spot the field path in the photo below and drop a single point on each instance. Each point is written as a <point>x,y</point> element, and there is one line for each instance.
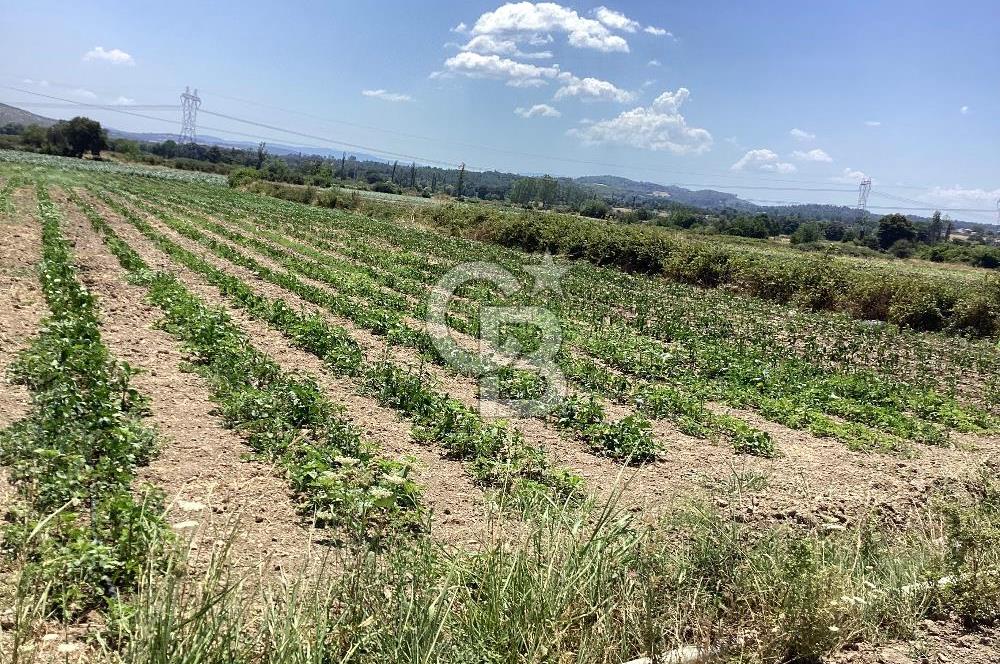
<point>22,305</point>
<point>200,465</point>
<point>457,504</point>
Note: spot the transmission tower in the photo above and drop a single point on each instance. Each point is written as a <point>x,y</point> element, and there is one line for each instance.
<point>998,212</point>
<point>864,189</point>
<point>189,115</point>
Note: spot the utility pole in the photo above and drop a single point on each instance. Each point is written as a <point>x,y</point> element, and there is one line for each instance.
<point>189,115</point>
<point>864,189</point>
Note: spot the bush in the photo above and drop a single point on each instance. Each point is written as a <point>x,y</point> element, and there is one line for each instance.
<point>596,209</point>
<point>806,233</point>
<point>243,176</point>
<point>386,187</point>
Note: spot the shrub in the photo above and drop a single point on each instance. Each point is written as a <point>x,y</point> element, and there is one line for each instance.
<point>243,176</point>
<point>596,208</point>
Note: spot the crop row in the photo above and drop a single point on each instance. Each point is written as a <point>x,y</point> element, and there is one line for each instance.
<point>368,306</point>
<point>792,392</point>
<point>628,438</point>
<point>498,456</point>
<point>340,477</point>
<point>828,339</point>
<point>79,528</point>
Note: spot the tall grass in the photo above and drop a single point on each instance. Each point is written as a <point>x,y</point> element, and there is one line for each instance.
<point>577,586</point>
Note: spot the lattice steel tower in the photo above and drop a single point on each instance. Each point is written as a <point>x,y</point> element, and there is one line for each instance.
<point>189,115</point>
<point>864,189</point>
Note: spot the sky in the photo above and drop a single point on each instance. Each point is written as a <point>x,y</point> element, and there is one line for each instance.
<point>777,101</point>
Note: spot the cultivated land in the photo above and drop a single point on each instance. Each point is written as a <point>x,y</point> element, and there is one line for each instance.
<point>287,467</point>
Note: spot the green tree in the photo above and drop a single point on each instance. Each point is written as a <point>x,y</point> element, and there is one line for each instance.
<point>548,189</point>
<point>77,136</point>
<point>461,180</point>
<point>892,228</point>
<point>806,233</point>
<point>936,229</point>
<point>523,191</point>
<point>596,208</point>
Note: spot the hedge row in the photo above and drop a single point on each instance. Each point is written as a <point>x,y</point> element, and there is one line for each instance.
<point>927,303</point>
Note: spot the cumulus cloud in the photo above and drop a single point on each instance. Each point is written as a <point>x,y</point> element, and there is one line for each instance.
<point>489,44</point>
<point>802,134</point>
<point>812,155</point>
<point>964,110</point>
<point>656,32</point>
<point>83,93</point>
<point>526,20</point>
<point>654,63</point>
<point>615,20</point>
<point>849,176</point>
<point>461,28</point>
<point>124,101</point>
<point>519,74</point>
<point>873,123</point>
<point>385,95</point>
<point>763,159</point>
<point>114,56</point>
<point>593,89</point>
<point>659,126</point>
<point>538,111</point>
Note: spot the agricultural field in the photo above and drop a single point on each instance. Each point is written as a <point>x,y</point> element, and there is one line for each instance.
<point>239,428</point>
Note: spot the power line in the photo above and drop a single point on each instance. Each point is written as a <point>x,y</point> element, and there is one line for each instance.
<point>138,107</point>
<point>120,109</point>
<point>587,162</point>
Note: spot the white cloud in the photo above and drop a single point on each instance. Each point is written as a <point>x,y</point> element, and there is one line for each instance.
<point>83,93</point>
<point>593,89</point>
<point>763,159</point>
<point>964,110</point>
<point>959,196</point>
<point>654,63</point>
<point>477,65</point>
<point>812,155</point>
<point>489,44</point>
<point>527,20</point>
<point>657,32</point>
<point>114,56</point>
<point>615,20</point>
<point>526,83</point>
<point>802,134</point>
<point>659,126</point>
<point>538,110</point>
<point>385,95</point>
<point>461,28</point>
<point>849,176</point>
<point>873,123</point>
<point>124,101</point>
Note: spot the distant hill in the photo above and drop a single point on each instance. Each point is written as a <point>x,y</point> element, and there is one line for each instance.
<point>616,189</point>
<point>12,114</point>
<point>624,189</point>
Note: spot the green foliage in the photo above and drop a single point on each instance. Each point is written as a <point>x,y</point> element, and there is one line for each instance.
<point>806,233</point>
<point>73,458</point>
<point>595,208</point>
<point>73,138</point>
<point>892,228</point>
<point>243,176</point>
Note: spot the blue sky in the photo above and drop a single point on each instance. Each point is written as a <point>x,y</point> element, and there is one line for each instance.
<point>695,93</point>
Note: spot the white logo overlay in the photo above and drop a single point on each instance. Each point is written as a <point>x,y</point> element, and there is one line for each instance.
<point>515,378</point>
